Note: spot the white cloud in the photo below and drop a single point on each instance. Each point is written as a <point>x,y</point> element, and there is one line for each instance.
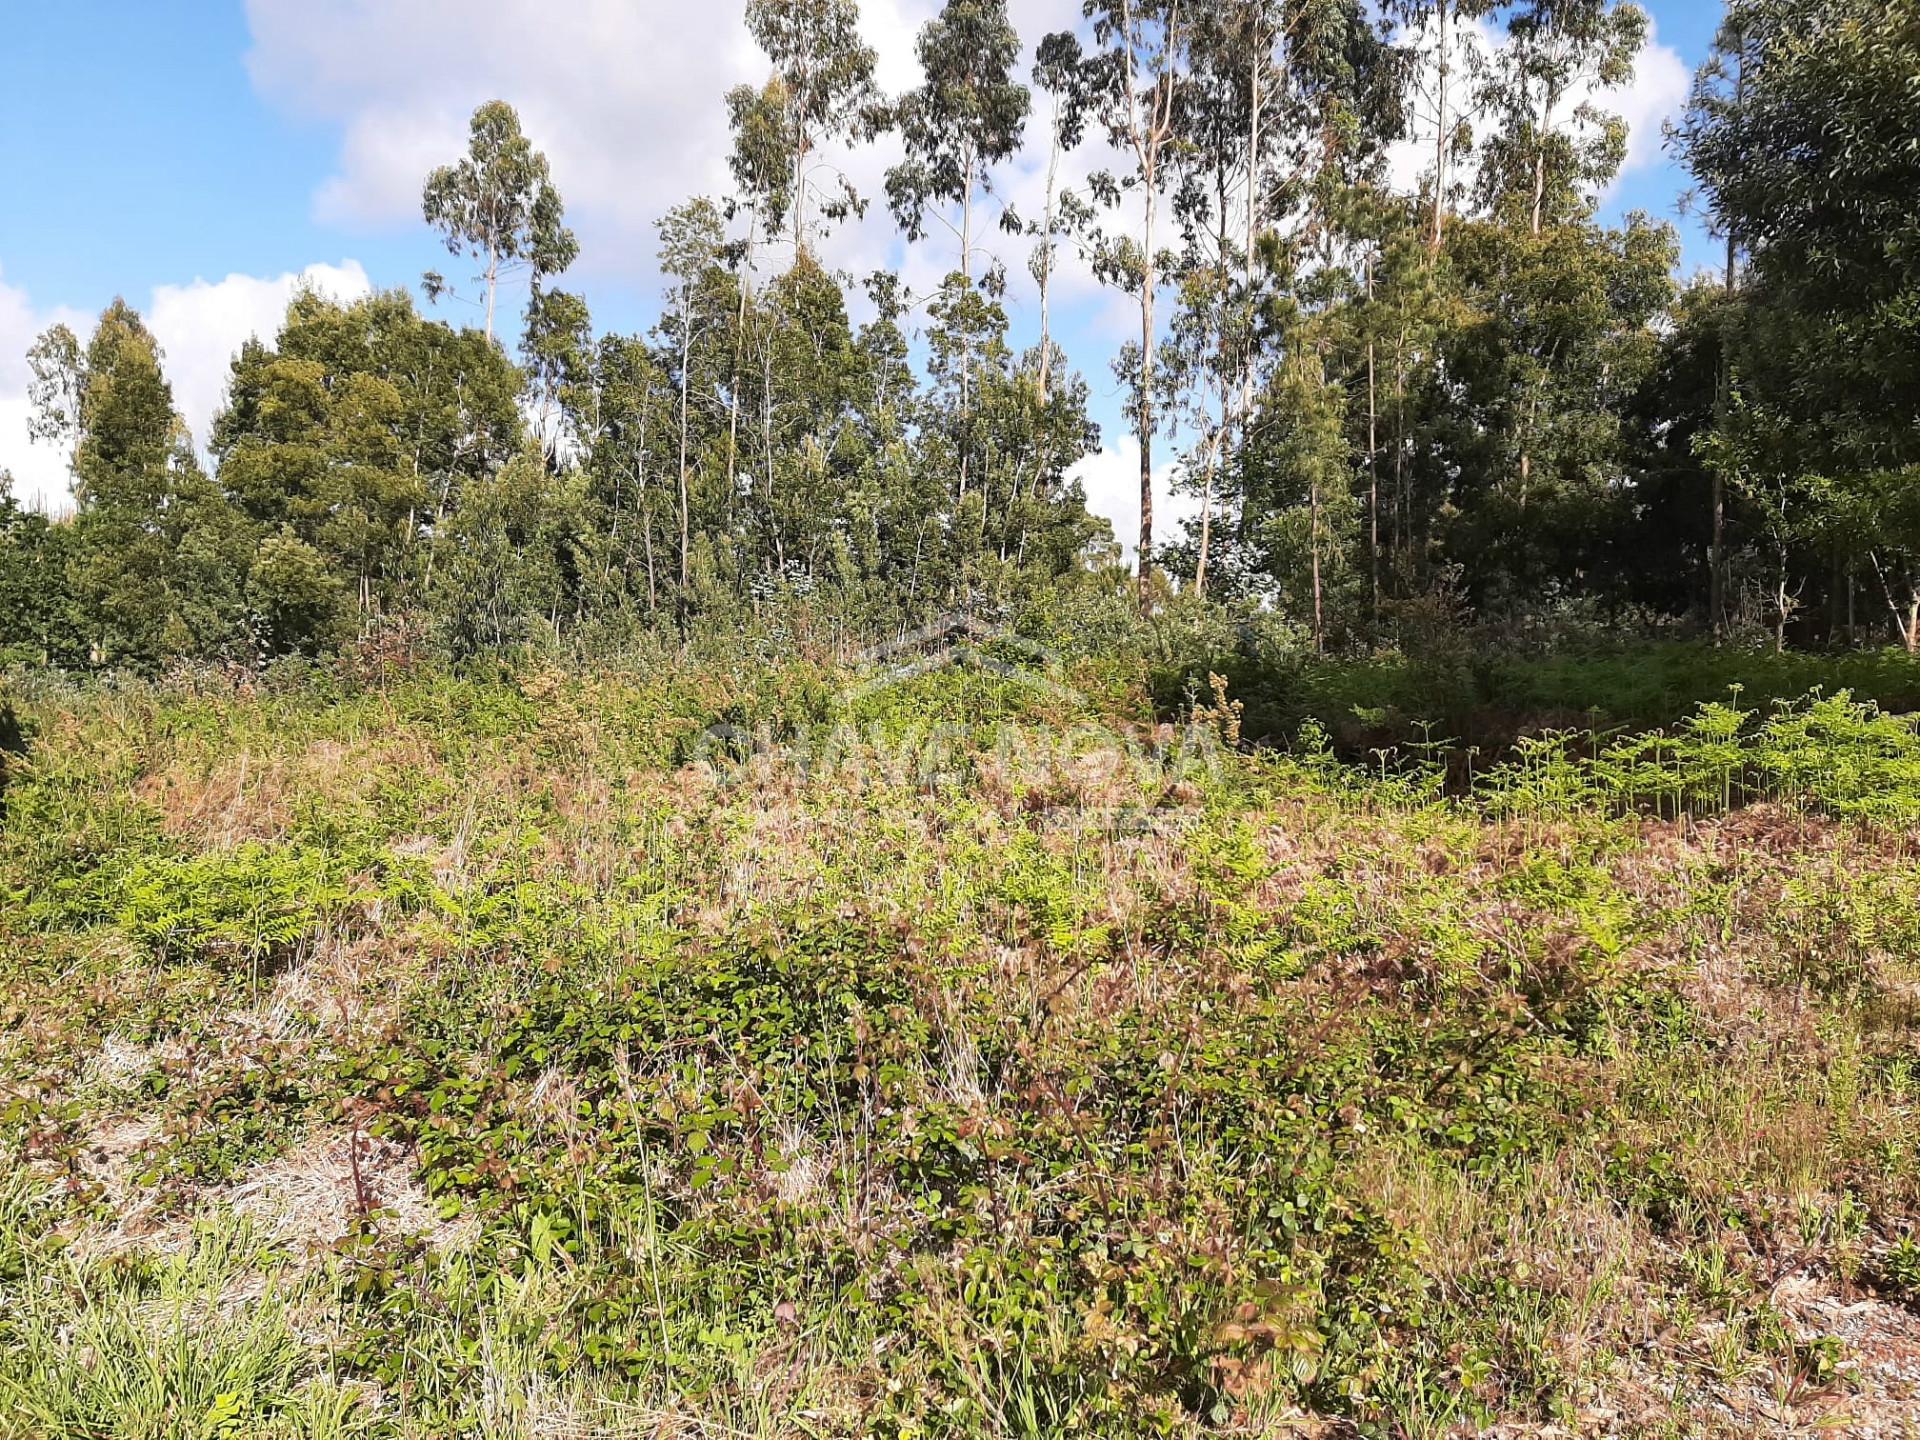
<point>1111,477</point>
<point>624,96</point>
<point>1656,94</point>
<point>200,326</point>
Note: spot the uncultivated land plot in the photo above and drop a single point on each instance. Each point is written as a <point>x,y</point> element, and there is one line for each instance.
<point>499,1058</point>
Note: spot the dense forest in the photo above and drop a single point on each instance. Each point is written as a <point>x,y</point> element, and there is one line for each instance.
<point>1392,409</point>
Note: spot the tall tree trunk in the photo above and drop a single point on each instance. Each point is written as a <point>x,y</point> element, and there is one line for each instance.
<point>799,198</point>
<point>966,342</point>
<point>1215,451</point>
<point>1144,420</point>
<point>1319,614</point>
<point>1717,557</point>
<point>493,283</point>
<point>1256,70</point>
<point>1548,101</point>
<point>1440,139</point>
<point>686,365</point>
<point>1373,454</point>
<point>733,383</point>
<point>1046,261</point>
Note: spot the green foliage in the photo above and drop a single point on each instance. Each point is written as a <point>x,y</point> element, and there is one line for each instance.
<point>498,205</point>
<point>1138,1101</point>
<point>250,906</point>
<point>153,1348</point>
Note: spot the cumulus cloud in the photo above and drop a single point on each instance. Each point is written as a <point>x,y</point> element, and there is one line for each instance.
<point>200,326</point>
<point>626,100</point>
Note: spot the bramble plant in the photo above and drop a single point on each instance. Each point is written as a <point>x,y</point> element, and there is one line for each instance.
<point>512,1058</point>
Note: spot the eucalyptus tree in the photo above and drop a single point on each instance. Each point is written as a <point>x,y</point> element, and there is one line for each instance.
<point>556,343</point>
<point>1129,87</point>
<point>1288,108</point>
<point>1550,148</point>
<point>692,244</point>
<point>517,552</point>
<point>1063,214</point>
<point>1443,58</point>
<point>497,204</point>
<point>968,116</point>
<point>1806,159</point>
<point>623,425</point>
<point>821,90</point>
<point>1719,88</point>
<point>1205,360</point>
<point>58,366</point>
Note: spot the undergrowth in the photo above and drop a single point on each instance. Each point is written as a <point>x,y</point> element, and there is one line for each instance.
<point>809,1052</point>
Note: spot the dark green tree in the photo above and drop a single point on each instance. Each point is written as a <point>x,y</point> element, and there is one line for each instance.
<point>156,552</point>
<point>1808,165</point>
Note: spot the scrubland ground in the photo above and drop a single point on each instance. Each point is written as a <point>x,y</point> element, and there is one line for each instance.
<point>960,1057</point>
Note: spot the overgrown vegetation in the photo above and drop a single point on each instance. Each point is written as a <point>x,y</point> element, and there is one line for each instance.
<point>511,927</point>
<point>833,1051</point>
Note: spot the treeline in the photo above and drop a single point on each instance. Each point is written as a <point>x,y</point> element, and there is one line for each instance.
<point>1392,408</point>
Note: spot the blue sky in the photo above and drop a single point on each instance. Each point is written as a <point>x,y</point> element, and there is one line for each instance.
<point>194,156</point>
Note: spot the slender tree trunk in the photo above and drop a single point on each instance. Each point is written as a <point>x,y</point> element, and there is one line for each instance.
<point>493,284</point>
<point>966,341</point>
<point>1781,605</point>
<point>799,198</point>
<point>1319,614</point>
<point>1373,453</point>
<point>1214,453</point>
<point>1547,103</point>
<point>733,384</point>
<point>1717,557</point>
<point>1145,418</point>
<point>1256,71</point>
<point>646,540</point>
<point>1440,139</point>
<point>1046,261</point>
<point>778,557</point>
<point>686,365</point>
<point>1907,624</point>
<point>1402,497</point>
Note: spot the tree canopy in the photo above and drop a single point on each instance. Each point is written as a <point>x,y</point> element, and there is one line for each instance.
<point>1384,407</point>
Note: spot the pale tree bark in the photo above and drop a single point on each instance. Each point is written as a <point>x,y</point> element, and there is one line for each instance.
<point>1046,260</point>
<point>686,368</point>
<point>1906,618</point>
<point>1440,139</point>
<point>1717,556</point>
<point>493,285</point>
<point>1373,451</point>
<point>1148,133</point>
